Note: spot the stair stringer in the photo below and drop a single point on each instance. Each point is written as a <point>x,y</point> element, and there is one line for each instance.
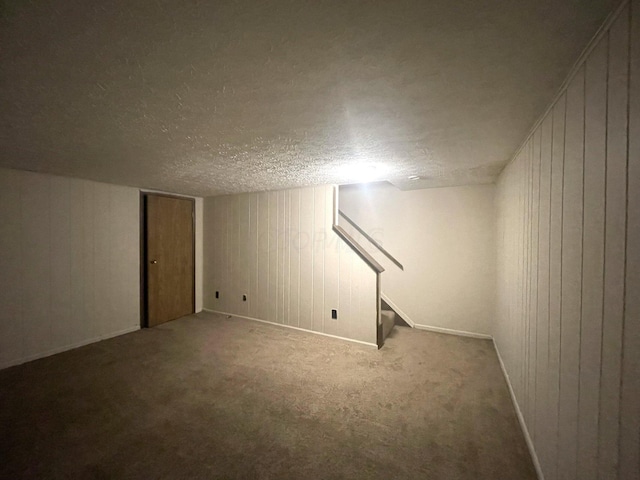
<point>399,311</point>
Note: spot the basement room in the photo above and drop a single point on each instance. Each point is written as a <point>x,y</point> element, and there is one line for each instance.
<point>320,239</point>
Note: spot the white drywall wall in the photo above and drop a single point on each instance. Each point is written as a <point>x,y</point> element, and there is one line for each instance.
<point>444,238</point>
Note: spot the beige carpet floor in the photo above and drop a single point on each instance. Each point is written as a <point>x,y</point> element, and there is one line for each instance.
<point>210,397</point>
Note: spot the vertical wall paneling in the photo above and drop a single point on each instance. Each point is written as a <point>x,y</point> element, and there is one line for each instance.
<point>252,261</point>
<point>77,233</point>
<point>101,260</point>
<point>555,278</point>
<point>125,255</point>
<point>280,256</point>
<point>524,279</point>
<point>526,313</point>
<point>301,272</point>
<point>218,237</point>
<point>228,261</point>
<point>199,237</point>
<point>542,428</point>
<point>70,262</point>
<point>294,258</point>
<point>88,285</point>
<point>318,239</point>
<point>11,265</point>
<point>357,289</point>
<point>533,304</point>
<point>344,302</point>
<point>519,254</point>
<point>306,211</point>
<point>262,288</point>
<point>243,242</point>
<point>36,297</point>
<point>523,292</point>
<point>220,230</point>
<point>569,236</point>
<point>630,391</point>
<point>595,133</point>
<point>615,227</point>
<point>522,282</point>
<point>571,276</point>
<point>233,252</point>
<point>333,269</point>
<point>61,252</point>
<point>214,237</point>
<point>209,231</point>
<point>286,239</point>
<point>272,233</point>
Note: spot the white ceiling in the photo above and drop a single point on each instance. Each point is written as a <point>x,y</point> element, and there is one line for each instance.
<point>209,97</point>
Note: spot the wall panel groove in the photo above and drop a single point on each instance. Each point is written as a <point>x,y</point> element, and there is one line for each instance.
<point>69,257</point>
<point>630,385</point>
<point>577,248</point>
<point>301,270</point>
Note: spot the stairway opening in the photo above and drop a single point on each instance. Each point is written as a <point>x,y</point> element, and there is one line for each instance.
<point>389,319</point>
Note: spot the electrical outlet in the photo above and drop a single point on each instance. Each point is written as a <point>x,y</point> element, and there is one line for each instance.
<point>334,314</point>
<point>244,298</point>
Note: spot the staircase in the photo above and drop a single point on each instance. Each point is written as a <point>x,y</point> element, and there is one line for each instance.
<point>388,321</point>
<point>377,258</point>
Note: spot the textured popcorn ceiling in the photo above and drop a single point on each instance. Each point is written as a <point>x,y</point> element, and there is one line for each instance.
<point>208,97</point>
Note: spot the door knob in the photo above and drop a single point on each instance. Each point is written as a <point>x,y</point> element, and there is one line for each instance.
<point>153,262</point>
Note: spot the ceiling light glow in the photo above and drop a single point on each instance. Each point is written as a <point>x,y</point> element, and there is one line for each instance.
<point>363,172</point>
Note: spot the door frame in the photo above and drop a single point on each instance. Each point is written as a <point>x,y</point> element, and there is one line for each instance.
<point>144,259</point>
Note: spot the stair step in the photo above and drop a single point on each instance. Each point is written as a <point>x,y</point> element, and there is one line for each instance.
<point>399,321</point>
<point>388,320</point>
<point>387,314</point>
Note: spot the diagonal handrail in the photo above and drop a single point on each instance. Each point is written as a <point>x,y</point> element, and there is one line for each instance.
<point>355,246</point>
<point>371,240</point>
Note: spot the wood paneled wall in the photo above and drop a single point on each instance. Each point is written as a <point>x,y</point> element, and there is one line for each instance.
<point>69,263</point>
<point>568,301</point>
<point>279,249</point>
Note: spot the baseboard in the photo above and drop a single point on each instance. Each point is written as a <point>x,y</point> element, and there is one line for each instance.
<point>450,331</point>
<point>82,343</point>
<point>523,425</point>
<point>396,309</point>
<point>291,326</point>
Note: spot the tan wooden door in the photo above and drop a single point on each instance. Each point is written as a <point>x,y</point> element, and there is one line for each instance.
<point>170,258</point>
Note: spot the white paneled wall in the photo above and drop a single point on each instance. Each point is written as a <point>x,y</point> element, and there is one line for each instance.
<point>69,263</point>
<point>279,249</point>
<point>199,208</point>
<point>568,303</point>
